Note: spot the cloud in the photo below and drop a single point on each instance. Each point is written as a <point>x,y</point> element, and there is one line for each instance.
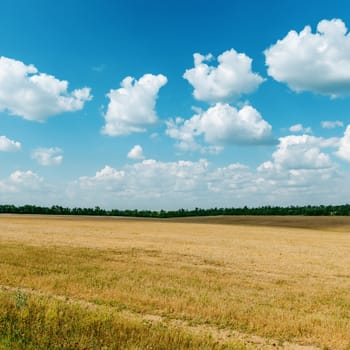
<point>48,156</point>
<point>317,62</point>
<point>331,124</point>
<point>234,177</point>
<point>24,177</point>
<point>184,131</point>
<point>300,128</point>
<point>7,145</point>
<point>344,145</point>
<point>143,181</point>
<point>153,184</point>
<point>232,77</point>
<point>27,187</point>
<point>221,125</point>
<point>107,178</point>
<point>136,153</point>
<point>165,177</point>
<point>300,153</point>
<point>35,96</point>
<point>132,107</point>
<point>300,172</point>
<point>19,181</point>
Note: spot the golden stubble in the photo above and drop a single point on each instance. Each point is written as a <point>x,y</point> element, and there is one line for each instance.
<point>262,276</point>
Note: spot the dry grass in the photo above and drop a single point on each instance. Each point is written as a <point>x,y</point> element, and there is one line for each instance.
<point>278,278</point>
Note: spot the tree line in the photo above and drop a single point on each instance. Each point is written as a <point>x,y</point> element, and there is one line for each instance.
<point>309,210</point>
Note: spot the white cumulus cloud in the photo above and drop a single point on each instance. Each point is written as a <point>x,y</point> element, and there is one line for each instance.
<point>107,179</point>
<point>146,180</point>
<point>184,131</point>
<point>132,107</point>
<point>7,145</point>
<point>220,125</point>
<point>300,171</point>
<point>24,177</point>
<point>300,152</point>
<point>332,124</point>
<point>32,95</point>
<point>228,81</point>
<point>317,62</point>
<point>48,156</point>
<point>235,178</point>
<point>344,145</point>
<point>136,153</point>
<point>153,184</point>
<point>19,181</point>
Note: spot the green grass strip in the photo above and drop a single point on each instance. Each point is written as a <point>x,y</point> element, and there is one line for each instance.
<point>41,323</point>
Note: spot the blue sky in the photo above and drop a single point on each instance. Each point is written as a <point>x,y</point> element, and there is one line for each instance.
<point>170,104</point>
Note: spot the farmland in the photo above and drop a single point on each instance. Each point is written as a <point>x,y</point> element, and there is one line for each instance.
<point>190,283</point>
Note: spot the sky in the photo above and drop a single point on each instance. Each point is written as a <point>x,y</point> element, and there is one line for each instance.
<point>174,104</point>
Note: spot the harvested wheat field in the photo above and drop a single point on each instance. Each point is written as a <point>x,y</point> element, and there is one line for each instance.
<point>201,283</point>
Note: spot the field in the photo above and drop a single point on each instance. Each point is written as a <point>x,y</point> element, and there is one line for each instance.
<point>192,283</point>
